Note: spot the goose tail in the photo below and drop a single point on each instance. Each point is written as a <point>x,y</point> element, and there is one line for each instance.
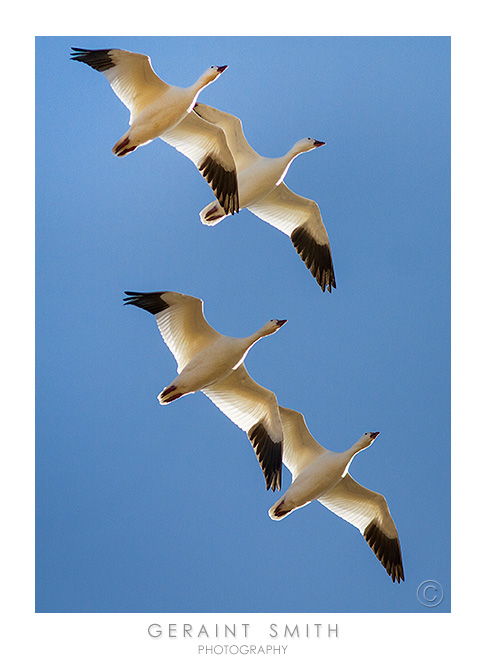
<point>212,214</point>
<point>123,146</point>
<point>169,394</point>
<point>279,510</point>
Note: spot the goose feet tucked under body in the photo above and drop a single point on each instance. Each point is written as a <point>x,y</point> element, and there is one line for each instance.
<point>159,110</point>
<point>212,216</point>
<point>278,511</point>
<point>261,189</point>
<point>213,363</point>
<point>322,475</point>
<point>165,396</point>
<point>120,148</point>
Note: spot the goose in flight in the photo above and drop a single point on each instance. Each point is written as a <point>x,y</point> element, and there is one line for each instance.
<point>263,192</point>
<point>322,475</point>
<point>161,110</point>
<point>213,363</point>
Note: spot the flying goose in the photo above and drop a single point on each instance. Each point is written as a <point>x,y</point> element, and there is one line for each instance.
<point>263,192</point>
<point>322,475</point>
<point>161,110</point>
<point>213,363</point>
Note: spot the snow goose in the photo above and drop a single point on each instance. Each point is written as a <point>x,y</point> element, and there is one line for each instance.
<point>263,192</point>
<point>213,363</point>
<point>322,475</point>
<point>161,110</point>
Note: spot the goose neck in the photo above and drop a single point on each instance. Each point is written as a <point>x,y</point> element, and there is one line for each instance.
<point>357,447</point>
<point>294,151</point>
<point>284,163</point>
<point>196,87</point>
<point>261,333</point>
<point>350,454</point>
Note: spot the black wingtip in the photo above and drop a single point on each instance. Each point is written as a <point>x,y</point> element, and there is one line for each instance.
<point>98,59</point>
<point>269,454</point>
<point>316,257</point>
<point>223,183</point>
<point>150,301</point>
<point>387,550</point>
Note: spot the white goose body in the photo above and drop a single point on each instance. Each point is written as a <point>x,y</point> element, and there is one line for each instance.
<point>262,191</point>
<point>213,363</point>
<point>258,180</point>
<point>322,475</point>
<point>159,117</point>
<point>169,108</point>
<point>210,362</point>
<point>160,110</point>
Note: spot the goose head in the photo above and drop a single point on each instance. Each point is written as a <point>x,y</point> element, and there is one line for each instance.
<point>363,442</point>
<point>367,439</point>
<point>272,326</point>
<point>213,73</point>
<point>304,145</point>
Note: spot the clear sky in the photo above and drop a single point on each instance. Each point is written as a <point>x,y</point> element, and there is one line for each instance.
<point>143,508</point>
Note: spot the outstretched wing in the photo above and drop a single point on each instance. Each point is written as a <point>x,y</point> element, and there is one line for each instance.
<point>254,409</point>
<point>180,320</point>
<point>130,75</point>
<point>205,144</point>
<point>300,218</point>
<point>300,449</point>
<point>242,151</point>
<point>369,512</point>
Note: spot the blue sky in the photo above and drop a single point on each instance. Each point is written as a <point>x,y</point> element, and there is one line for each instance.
<point>148,509</point>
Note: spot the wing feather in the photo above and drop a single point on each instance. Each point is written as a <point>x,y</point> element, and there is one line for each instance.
<point>301,220</point>
<point>254,409</point>
<point>300,448</point>
<point>180,319</point>
<point>130,75</point>
<point>369,512</point>
<point>243,153</point>
<point>205,145</point>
